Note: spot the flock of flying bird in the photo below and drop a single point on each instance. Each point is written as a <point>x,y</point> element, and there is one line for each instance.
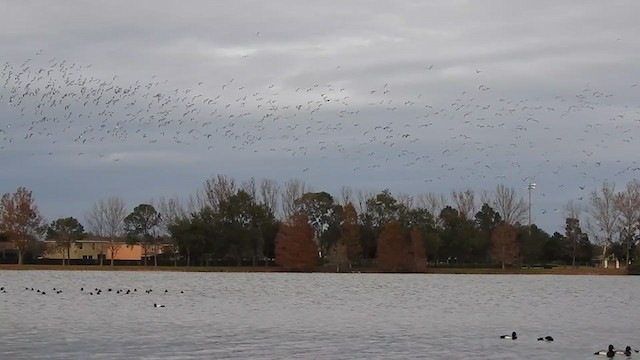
<point>57,107</point>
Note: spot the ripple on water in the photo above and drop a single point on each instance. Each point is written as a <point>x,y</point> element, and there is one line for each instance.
<point>317,316</point>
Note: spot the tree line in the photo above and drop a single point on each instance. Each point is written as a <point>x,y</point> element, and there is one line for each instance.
<point>251,223</point>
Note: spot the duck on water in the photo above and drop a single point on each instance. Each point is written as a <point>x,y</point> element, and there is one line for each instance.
<point>609,353</point>
<point>513,336</point>
<point>627,351</point>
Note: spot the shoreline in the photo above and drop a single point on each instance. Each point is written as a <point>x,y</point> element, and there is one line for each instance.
<point>263,269</point>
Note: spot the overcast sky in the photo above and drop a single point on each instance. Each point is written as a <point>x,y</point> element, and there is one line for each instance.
<point>149,98</point>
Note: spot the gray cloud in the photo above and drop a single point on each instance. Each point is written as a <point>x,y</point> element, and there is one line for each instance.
<point>486,92</point>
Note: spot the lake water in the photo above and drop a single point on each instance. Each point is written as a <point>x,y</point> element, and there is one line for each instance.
<point>314,316</point>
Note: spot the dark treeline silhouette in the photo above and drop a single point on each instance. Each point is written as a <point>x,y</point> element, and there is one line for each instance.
<point>257,223</point>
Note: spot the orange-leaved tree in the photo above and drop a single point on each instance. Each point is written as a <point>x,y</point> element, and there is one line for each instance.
<point>20,220</point>
<point>505,247</point>
<point>350,235</point>
<point>393,249</point>
<point>295,249</point>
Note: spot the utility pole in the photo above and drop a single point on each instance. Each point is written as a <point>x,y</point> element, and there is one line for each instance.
<point>531,186</point>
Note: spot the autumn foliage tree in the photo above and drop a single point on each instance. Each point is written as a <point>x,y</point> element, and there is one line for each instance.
<point>350,235</point>
<point>295,248</point>
<point>20,220</point>
<point>505,247</point>
<point>394,252</point>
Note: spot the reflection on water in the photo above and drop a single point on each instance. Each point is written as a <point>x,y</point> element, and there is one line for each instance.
<point>313,316</point>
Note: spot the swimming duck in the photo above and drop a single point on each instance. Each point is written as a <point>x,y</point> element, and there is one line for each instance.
<point>513,336</point>
<point>546,338</point>
<point>626,352</point>
<point>158,306</point>
<point>609,353</point>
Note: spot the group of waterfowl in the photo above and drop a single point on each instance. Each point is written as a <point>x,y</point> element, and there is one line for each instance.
<point>95,291</point>
<point>611,352</point>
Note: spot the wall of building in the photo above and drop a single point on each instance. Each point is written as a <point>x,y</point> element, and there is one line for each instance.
<point>88,250</point>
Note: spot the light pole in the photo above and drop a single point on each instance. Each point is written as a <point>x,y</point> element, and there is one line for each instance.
<point>531,186</point>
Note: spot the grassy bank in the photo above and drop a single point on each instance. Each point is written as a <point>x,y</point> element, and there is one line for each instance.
<point>512,271</point>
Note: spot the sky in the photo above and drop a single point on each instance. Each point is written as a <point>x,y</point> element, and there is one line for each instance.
<point>150,98</point>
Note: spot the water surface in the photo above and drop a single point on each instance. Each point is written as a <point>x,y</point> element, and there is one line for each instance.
<point>313,316</point>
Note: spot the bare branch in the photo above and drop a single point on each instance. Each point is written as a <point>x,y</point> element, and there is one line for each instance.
<point>293,190</point>
<point>572,210</point>
<point>346,195</point>
<point>465,202</point>
<point>605,215</point>
<point>512,208</point>
<point>269,191</point>
<point>434,203</point>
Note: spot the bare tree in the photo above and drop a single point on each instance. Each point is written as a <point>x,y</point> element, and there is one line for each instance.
<point>196,202</point>
<point>572,213</point>
<point>627,203</point>
<point>171,210</point>
<point>293,190</point>
<point>605,216</point>
<point>346,195</point>
<point>269,191</point>
<point>465,202</point>
<point>512,208</point>
<point>106,219</point>
<point>250,187</point>
<point>485,198</point>
<point>572,210</point>
<point>363,197</point>
<point>595,234</point>
<point>405,199</point>
<point>434,203</point>
<point>219,188</point>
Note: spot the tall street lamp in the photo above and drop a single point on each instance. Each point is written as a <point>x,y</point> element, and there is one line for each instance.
<point>531,186</point>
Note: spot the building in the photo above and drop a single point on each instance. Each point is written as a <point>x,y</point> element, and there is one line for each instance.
<point>94,249</point>
<point>8,253</point>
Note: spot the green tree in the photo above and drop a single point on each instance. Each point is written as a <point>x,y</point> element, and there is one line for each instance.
<point>456,234</point>
<point>531,247</point>
<point>486,221</point>
<point>555,249</point>
<point>141,226</point>
<point>422,222</point>
<point>196,236</point>
<point>573,232</point>
<point>65,232</point>
<point>379,211</point>
<point>324,215</point>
